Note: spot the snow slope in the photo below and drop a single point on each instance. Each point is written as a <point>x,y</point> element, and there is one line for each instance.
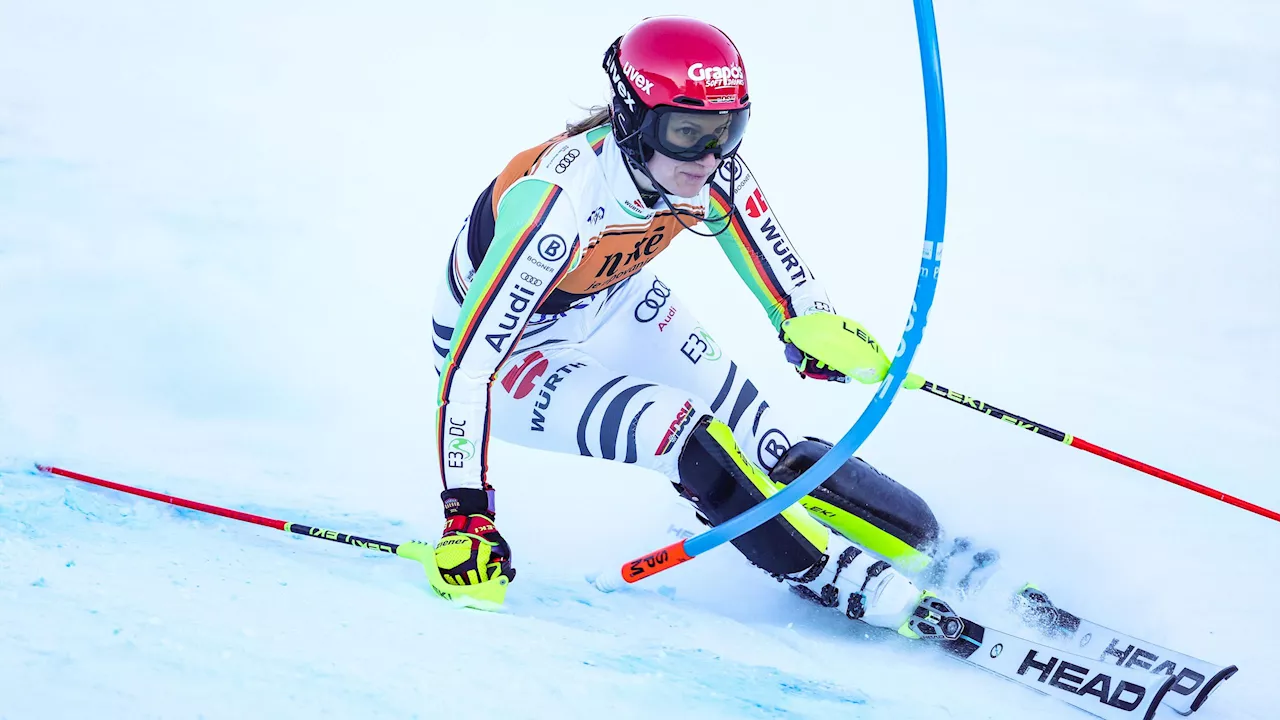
<point>221,228</point>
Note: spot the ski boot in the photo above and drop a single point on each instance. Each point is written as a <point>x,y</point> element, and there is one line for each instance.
<point>872,591</point>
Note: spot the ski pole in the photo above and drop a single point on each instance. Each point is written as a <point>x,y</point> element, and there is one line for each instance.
<point>1081,444</point>
<point>412,550</point>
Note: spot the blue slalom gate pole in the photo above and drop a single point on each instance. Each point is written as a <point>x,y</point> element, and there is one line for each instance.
<point>926,286</point>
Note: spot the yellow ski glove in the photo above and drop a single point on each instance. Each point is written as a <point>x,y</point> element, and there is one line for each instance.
<point>832,347</point>
<point>473,558</point>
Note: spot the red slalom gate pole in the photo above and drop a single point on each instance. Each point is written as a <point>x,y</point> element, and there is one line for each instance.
<point>1079,443</point>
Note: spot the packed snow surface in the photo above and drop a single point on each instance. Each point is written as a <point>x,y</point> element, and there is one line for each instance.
<point>222,226</point>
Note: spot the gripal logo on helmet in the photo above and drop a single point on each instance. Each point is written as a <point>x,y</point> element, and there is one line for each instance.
<point>717,76</point>
<point>642,83</point>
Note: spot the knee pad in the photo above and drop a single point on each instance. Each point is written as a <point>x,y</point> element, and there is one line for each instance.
<point>866,506</point>
<point>722,484</point>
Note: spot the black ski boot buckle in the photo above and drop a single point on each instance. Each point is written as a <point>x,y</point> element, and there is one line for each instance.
<point>934,618</point>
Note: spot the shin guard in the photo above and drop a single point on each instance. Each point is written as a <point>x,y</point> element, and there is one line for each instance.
<point>865,506</point>
<point>722,484</point>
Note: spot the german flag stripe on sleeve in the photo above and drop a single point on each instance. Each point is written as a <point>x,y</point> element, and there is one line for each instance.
<point>496,268</point>
<point>524,210</point>
<point>748,259</point>
<point>596,137</point>
<point>488,410</point>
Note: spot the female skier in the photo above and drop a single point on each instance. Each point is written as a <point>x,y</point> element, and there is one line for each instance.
<point>552,334</point>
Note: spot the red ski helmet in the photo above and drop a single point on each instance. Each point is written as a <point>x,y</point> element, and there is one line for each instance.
<point>679,88</point>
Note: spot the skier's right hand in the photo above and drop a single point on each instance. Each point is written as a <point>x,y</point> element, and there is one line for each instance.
<point>471,552</point>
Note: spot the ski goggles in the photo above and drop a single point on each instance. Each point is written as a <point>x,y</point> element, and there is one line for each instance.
<point>688,135</point>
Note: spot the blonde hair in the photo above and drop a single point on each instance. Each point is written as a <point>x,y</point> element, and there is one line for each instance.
<point>599,115</point>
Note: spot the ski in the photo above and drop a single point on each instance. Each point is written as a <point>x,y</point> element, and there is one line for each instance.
<point>1194,679</point>
<point>1094,686</point>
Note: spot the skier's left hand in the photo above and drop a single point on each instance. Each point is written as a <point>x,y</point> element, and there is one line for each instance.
<point>832,347</point>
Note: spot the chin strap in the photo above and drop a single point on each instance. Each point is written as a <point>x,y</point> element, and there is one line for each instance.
<point>662,192</point>
<point>677,212</point>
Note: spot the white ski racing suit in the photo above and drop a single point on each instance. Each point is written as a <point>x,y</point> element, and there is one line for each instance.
<point>562,340</point>
<point>552,334</point>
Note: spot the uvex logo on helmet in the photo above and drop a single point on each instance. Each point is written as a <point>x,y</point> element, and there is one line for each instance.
<point>620,85</point>
<point>717,76</point>
<point>642,83</point>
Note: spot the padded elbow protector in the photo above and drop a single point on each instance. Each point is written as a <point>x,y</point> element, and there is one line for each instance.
<point>722,484</point>
<point>865,505</point>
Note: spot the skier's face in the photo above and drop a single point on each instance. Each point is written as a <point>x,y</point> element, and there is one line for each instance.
<point>684,179</point>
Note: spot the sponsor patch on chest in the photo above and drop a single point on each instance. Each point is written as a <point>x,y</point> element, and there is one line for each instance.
<point>619,252</point>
